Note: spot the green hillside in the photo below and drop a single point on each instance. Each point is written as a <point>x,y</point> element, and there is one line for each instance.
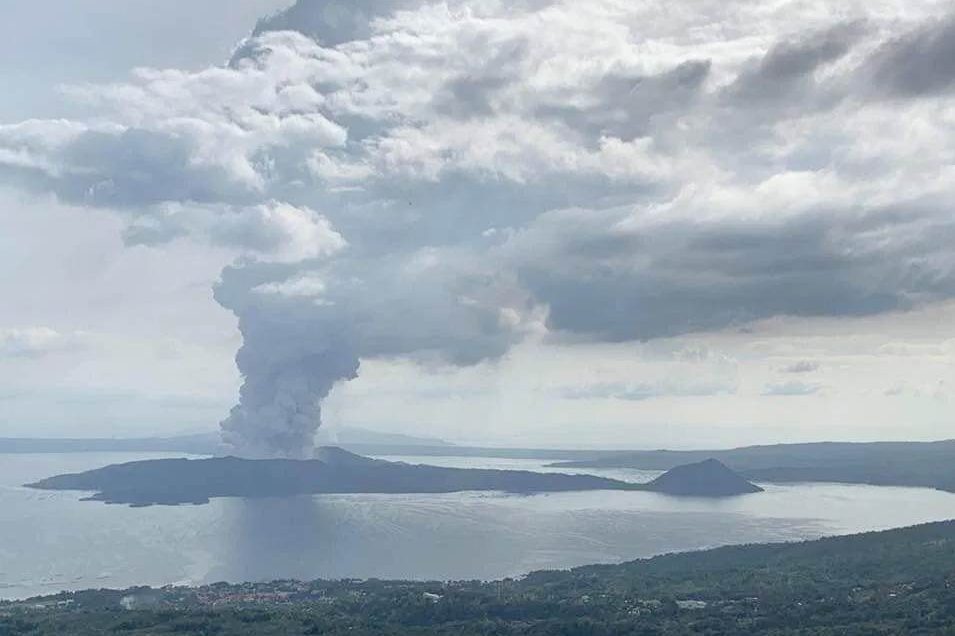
<point>894,582</point>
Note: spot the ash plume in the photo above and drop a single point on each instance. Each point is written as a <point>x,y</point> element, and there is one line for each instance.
<point>437,181</point>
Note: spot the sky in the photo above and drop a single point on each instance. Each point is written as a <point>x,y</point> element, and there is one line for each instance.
<point>537,222</point>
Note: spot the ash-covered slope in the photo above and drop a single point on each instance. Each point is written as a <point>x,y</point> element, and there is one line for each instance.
<point>179,481</point>
<point>709,478</point>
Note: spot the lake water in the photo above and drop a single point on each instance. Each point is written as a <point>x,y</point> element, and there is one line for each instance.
<point>51,541</point>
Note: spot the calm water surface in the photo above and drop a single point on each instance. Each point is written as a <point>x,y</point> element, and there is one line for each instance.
<point>51,540</point>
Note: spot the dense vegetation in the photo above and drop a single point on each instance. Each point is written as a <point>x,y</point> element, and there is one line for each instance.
<point>895,582</point>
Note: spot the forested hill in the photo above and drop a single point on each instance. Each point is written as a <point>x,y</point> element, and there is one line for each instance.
<point>894,582</point>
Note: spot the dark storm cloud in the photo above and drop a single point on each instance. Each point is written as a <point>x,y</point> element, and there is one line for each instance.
<point>785,72</point>
<point>919,63</point>
<point>609,282</point>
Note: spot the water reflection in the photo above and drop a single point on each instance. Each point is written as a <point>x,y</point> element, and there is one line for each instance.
<point>461,536</point>
<point>360,536</point>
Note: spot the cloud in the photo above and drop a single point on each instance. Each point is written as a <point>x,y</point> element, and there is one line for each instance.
<point>440,181</point>
<point>791,389</point>
<point>785,77</point>
<point>272,231</point>
<point>936,390</point>
<point>215,136</point>
<point>331,23</point>
<point>617,275</point>
<point>803,366</point>
<point>627,104</point>
<point>645,391</point>
<point>920,62</point>
<point>37,342</point>
<point>305,285</point>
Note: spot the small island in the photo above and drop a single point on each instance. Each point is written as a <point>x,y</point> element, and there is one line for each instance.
<point>336,471</point>
<point>709,478</point>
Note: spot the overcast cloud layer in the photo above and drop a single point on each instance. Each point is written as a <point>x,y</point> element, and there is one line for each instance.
<point>442,182</point>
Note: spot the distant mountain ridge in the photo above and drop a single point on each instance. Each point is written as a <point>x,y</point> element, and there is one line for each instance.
<point>211,443</point>
<point>345,436</point>
<point>917,464</point>
<point>198,444</point>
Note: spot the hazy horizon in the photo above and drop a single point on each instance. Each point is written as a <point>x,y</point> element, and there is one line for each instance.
<point>328,437</point>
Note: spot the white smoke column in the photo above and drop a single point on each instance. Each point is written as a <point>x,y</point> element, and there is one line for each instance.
<point>288,365</point>
<point>280,410</point>
<point>304,330</point>
<point>287,369</point>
